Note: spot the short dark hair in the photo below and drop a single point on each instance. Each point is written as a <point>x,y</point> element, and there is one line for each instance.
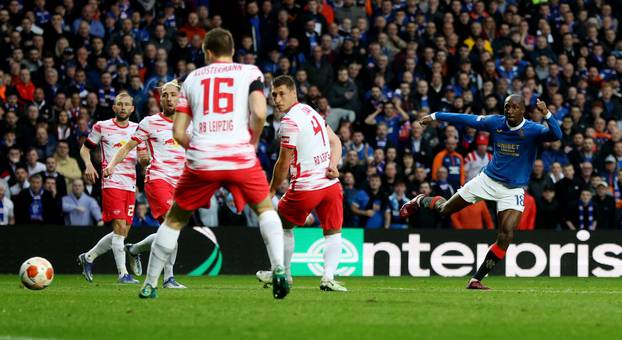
<point>284,80</point>
<point>219,41</point>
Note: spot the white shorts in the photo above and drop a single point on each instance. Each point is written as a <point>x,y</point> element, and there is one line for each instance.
<point>483,187</point>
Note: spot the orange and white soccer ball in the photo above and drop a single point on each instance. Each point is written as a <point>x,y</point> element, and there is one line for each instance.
<point>36,273</point>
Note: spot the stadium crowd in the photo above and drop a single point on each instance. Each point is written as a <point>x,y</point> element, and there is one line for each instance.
<point>371,67</point>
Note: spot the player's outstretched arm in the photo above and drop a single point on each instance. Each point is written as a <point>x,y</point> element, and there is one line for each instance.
<point>258,108</point>
<point>335,154</point>
<point>554,131</point>
<point>180,125</point>
<point>90,171</point>
<point>281,168</point>
<point>119,157</point>
<point>477,122</point>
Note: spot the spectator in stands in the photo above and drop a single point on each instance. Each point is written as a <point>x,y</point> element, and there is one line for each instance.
<point>538,181</point>
<point>34,205</point>
<point>50,171</point>
<point>343,93</point>
<point>441,185</point>
<point>349,194</point>
<point>45,145</point>
<point>453,162</point>
<point>21,180</point>
<point>583,216</point>
<point>553,154</point>
<point>143,218</point>
<point>549,212</point>
<point>392,218</point>
<point>475,216</point>
<point>66,165</point>
<point>49,185</point>
<point>477,160</point>
<point>7,214</point>
<point>605,207</point>
<point>32,162</point>
<point>319,71</point>
<point>364,151</point>
<point>370,205</point>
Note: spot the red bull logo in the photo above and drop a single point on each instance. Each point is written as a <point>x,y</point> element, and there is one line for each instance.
<point>119,144</point>
<point>170,142</point>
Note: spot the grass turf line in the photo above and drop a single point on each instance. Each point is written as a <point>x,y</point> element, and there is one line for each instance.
<point>236,307</point>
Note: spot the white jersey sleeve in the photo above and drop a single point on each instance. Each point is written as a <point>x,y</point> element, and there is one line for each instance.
<point>305,131</point>
<point>217,98</point>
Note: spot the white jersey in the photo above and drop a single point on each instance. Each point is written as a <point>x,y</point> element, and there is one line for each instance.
<point>216,97</point>
<point>304,130</point>
<point>167,157</point>
<point>111,137</point>
<point>473,164</point>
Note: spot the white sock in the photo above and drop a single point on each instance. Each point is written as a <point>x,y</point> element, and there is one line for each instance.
<point>161,249</point>
<point>103,245</point>
<point>118,250</point>
<point>288,246</point>
<point>142,246</point>
<point>272,232</point>
<point>168,267</point>
<point>332,252</point>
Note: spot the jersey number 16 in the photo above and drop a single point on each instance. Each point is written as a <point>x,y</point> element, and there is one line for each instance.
<point>217,105</point>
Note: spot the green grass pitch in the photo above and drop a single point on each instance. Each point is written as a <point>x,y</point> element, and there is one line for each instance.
<point>237,307</point>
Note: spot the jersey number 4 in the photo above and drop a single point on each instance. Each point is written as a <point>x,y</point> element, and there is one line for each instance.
<point>317,128</point>
<point>222,102</point>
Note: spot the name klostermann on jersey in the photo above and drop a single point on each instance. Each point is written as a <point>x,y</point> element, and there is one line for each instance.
<point>216,126</point>
<point>213,69</point>
<point>508,149</point>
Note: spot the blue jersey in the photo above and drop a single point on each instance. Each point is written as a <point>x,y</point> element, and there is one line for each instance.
<point>514,147</point>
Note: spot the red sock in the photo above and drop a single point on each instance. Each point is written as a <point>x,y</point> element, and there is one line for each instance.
<point>495,249</point>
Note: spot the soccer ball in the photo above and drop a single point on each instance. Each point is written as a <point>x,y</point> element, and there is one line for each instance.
<point>36,273</point>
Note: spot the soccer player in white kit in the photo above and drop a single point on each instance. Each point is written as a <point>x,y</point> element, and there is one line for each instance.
<point>310,152</point>
<point>227,107</point>
<point>118,190</point>
<point>166,162</point>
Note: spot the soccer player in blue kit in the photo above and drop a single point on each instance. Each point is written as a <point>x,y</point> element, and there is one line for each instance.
<point>516,140</point>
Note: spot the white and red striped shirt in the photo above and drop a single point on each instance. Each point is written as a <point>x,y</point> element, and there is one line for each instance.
<point>216,97</point>
<point>167,157</point>
<point>304,130</point>
<point>111,137</point>
<point>473,164</point>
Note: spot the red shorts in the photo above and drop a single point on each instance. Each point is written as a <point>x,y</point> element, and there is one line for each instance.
<point>160,197</point>
<point>295,206</point>
<point>118,204</point>
<point>195,188</point>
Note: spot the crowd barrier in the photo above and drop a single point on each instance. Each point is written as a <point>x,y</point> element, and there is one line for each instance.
<point>419,253</point>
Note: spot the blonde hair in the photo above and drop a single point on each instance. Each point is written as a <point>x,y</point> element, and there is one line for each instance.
<point>173,83</point>
<point>121,95</point>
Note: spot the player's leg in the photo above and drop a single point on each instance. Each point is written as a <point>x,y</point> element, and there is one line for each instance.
<point>85,260</point>
<point>330,214</point>
<point>163,246</point>
<point>120,231</point>
<point>271,230</point>
<point>160,197</point>
<point>508,221</point>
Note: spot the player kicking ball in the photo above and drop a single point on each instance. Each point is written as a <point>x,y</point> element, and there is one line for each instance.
<point>165,166</point>
<point>516,140</point>
<point>118,190</point>
<point>226,105</point>
<point>310,152</point>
